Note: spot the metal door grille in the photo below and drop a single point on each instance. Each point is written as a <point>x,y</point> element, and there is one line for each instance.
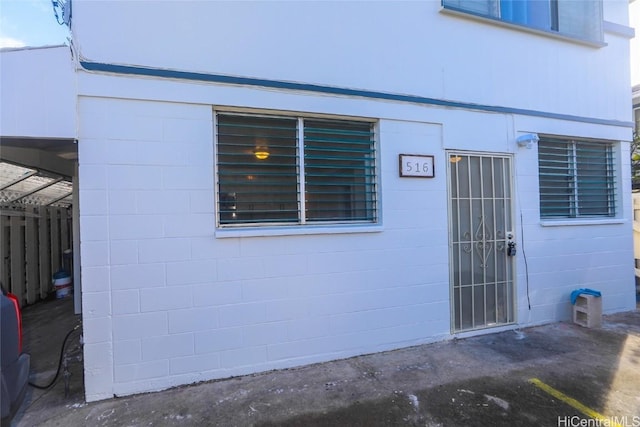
<point>481,272</point>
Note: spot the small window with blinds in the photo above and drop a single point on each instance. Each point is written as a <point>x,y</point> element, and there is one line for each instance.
<point>294,170</point>
<point>577,179</point>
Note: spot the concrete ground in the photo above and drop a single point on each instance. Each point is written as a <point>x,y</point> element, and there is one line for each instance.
<point>553,375</point>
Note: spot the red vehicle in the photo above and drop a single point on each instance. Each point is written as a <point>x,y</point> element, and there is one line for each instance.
<point>14,363</point>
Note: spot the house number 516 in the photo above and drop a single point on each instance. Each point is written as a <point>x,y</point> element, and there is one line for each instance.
<point>416,165</point>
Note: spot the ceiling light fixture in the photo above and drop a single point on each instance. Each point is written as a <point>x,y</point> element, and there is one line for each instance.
<point>261,153</point>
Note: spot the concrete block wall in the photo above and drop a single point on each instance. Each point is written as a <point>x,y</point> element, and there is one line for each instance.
<point>169,299</point>
<point>141,169</point>
<point>169,303</point>
<point>565,255</point>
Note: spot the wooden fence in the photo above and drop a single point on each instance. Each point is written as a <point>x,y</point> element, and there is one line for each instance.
<point>32,250</point>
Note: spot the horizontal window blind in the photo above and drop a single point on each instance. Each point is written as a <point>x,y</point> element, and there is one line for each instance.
<point>257,169</point>
<point>339,170</point>
<point>556,179</point>
<point>273,170</point>
<point>577,179</point>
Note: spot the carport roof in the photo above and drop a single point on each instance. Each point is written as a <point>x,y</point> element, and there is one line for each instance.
<point>20,186</point>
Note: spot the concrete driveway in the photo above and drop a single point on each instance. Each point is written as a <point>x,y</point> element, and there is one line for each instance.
<point>553,375</point>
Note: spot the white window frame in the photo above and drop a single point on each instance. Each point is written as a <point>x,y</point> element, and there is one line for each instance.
<point>303,226</point>
<point>575,199</point>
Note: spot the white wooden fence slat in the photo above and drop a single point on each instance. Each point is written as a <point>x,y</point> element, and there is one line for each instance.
<point>31,257</point>
<point>43,250</point>
<point>17,258</point>
<point>56,255</point>
<point>64,234</point>
<point>31,250</point>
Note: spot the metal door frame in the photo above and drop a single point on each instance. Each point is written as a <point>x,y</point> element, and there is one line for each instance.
<point>510,261</point>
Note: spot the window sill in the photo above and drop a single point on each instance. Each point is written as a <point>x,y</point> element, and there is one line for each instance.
<point>581,221</point>
<point>547,33</point>
<point>222,233</point>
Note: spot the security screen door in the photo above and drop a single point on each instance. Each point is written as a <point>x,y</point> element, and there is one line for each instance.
<point>481,230</point>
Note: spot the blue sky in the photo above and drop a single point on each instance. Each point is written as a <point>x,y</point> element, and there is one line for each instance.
<point>30,23</point>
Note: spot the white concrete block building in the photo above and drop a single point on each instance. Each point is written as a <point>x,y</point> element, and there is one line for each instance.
<point>270,184</point>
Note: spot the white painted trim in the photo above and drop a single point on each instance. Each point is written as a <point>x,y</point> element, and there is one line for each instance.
<point>297,230</point>
<point>582,221</point>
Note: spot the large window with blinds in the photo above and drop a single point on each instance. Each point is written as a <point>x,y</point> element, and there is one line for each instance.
<point>294,170</point>
<point>577,178</point>
<point>580,19</point>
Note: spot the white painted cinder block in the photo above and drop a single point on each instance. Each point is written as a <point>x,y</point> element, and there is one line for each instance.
<point>164,250</point>
<point>94,202</point>
<point>141,371</point>
<point>191,225</point>
<point>95,279</point>
<point>193,319</point>
<point>165,299</point>
<point>198,363</point>
<point>167,347</point>
<point>135,177</point>
<point>95,253</point>
<point>264,333</point>
<point>191,272</point>
<point>187,131</point>
<point>98,370</point>
<point>140,325</point>
<point>96,226</point>
<point>125,301</point>
<point>162,202</point>
<point>137,276</point>
<point>215,340</point>
<point>96,305</point>
<point>96,329</point>
<point>123,252</point>
<point>206,295</point>
<point>241,314</point>
<point>136,227</point>
<point>191,302</point>
<point>201,201</point>
<point>93,177</point>
<point>127,351</point>
<point>250,356</point>
<point>122,202</point>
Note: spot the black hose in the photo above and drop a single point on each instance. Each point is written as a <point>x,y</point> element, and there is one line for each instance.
<point>55,378</point>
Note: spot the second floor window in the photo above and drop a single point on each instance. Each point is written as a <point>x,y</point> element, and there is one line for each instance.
<point>573,18</point>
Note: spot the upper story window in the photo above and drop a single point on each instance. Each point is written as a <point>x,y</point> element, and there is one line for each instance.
<point>581,19</point>
<point>577,178</point>
<point>294,170</point>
